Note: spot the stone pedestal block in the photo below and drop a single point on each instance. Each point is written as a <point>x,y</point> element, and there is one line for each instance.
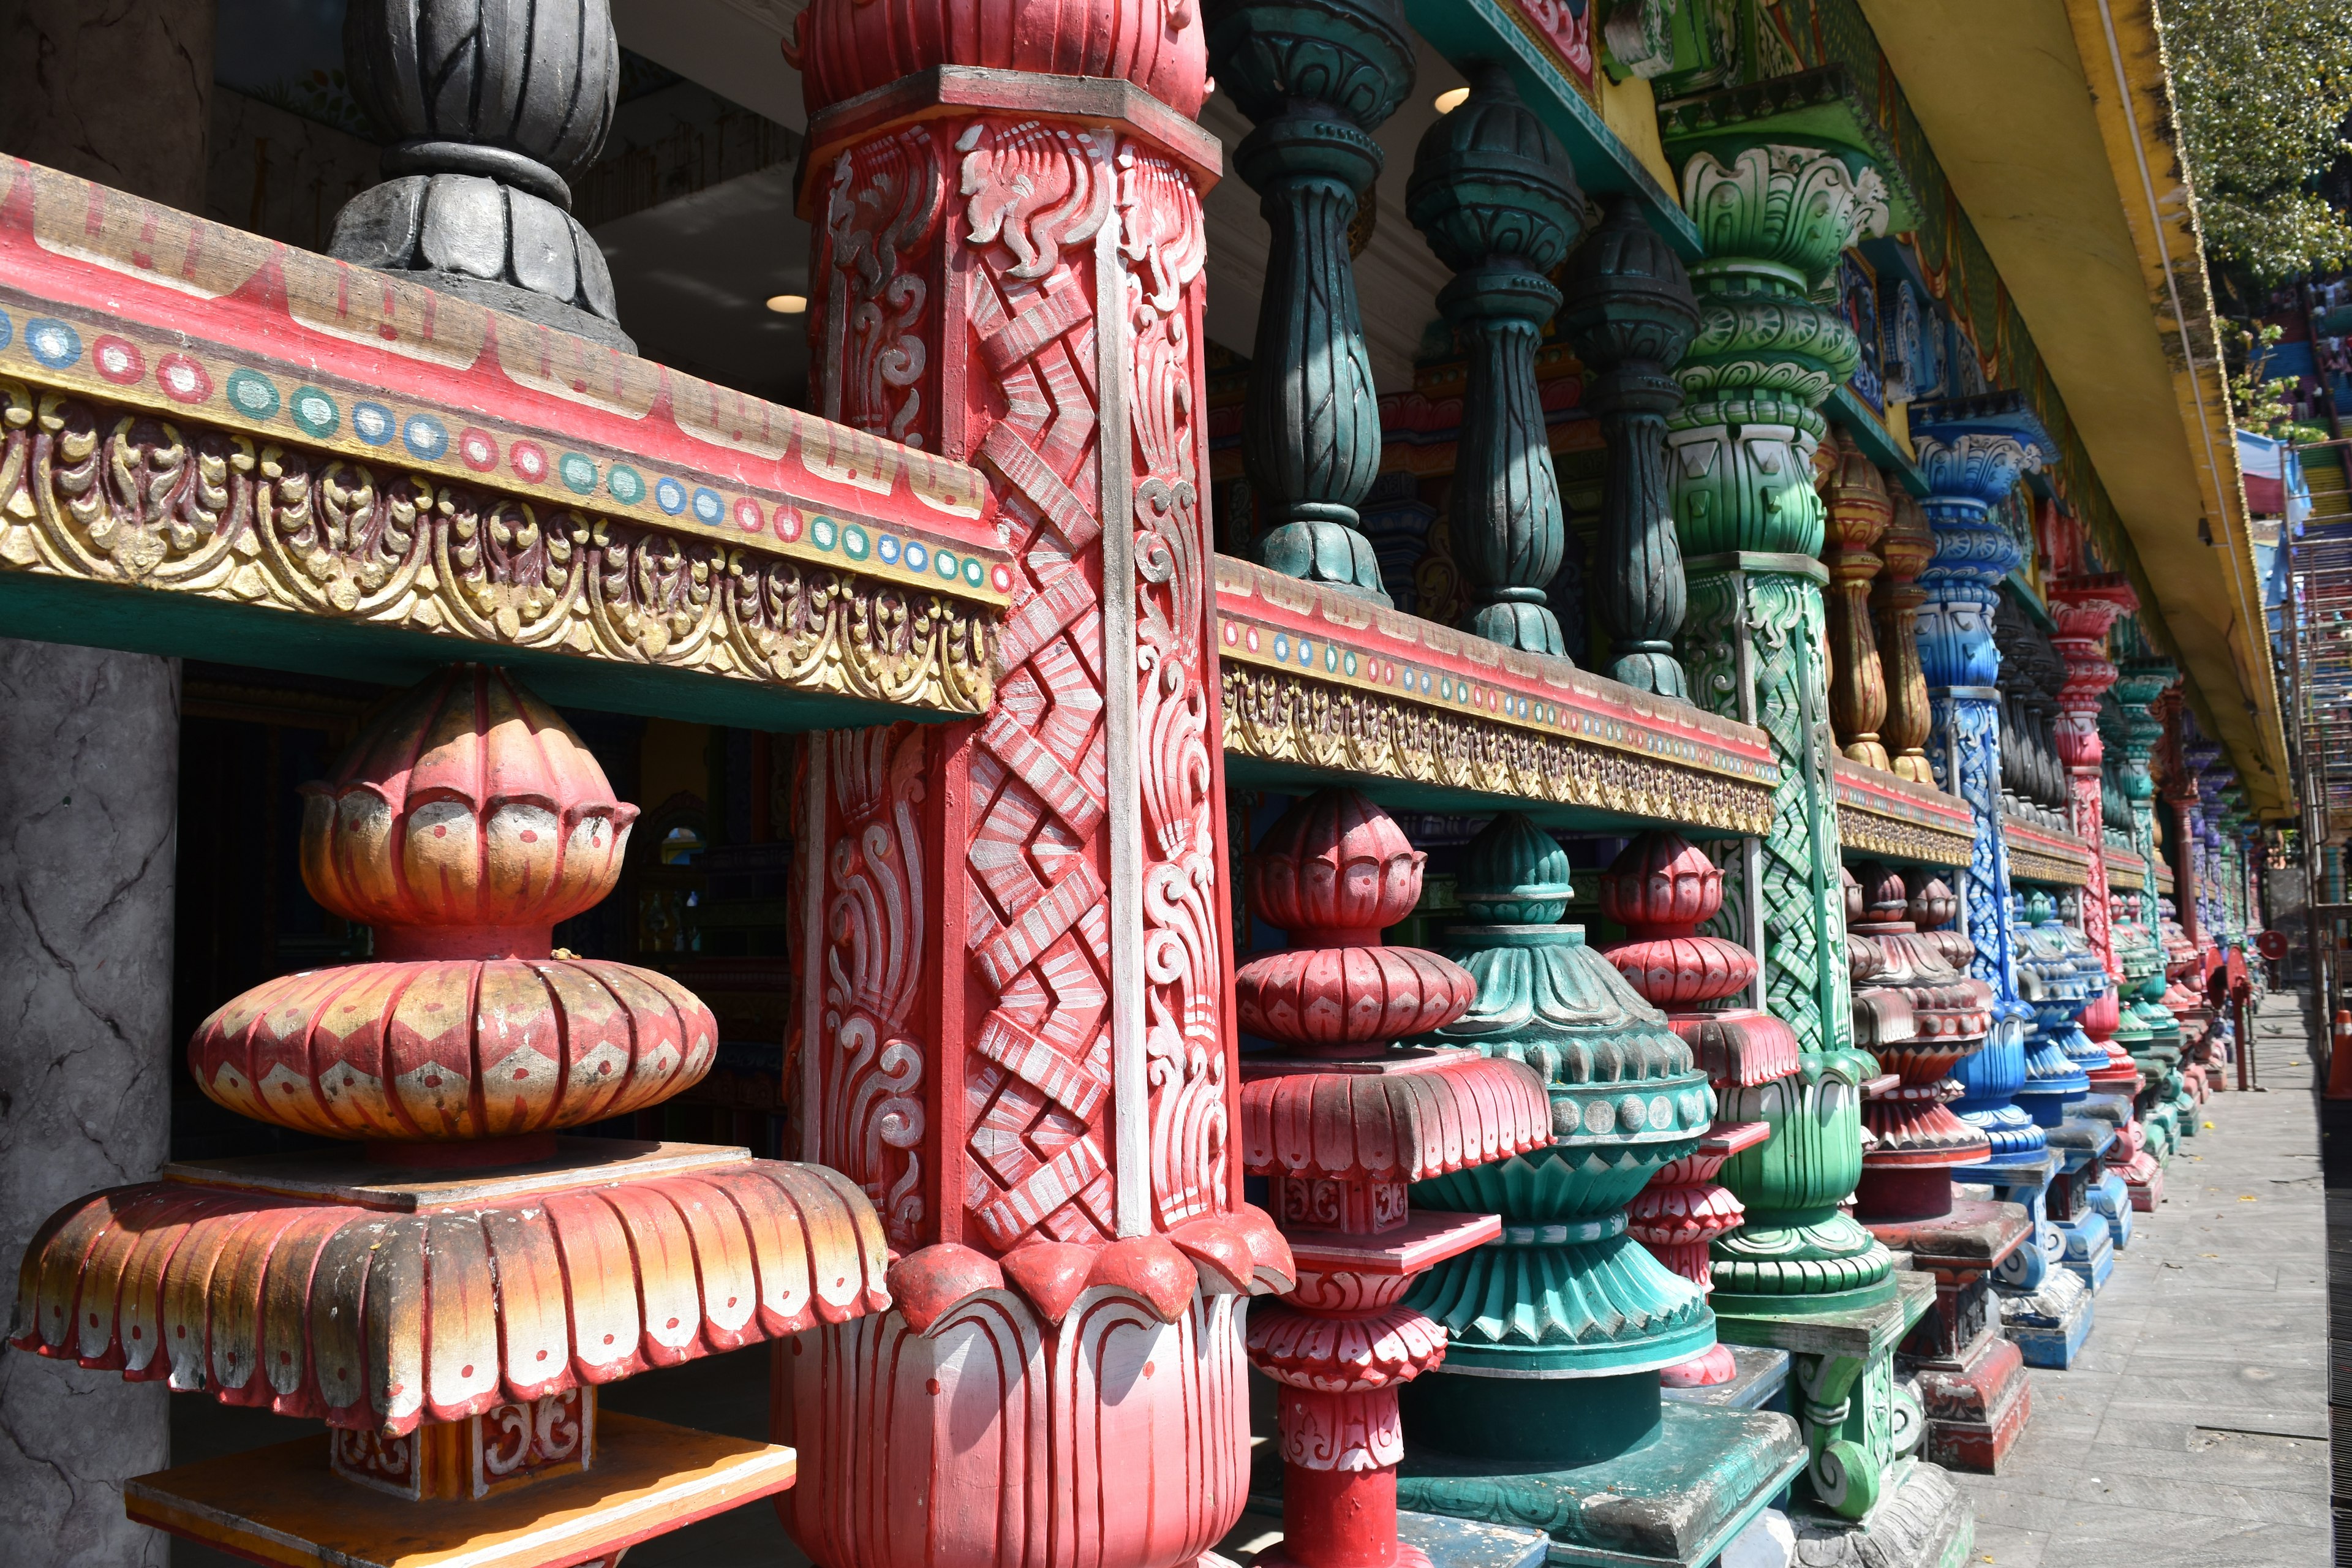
<point>1924,1522</point>
<point>1971,1381</point>
<point>2089,1247</point>
<point>1679,1497</point>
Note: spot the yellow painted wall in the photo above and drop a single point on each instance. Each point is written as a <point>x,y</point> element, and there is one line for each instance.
<point>1629,109</point>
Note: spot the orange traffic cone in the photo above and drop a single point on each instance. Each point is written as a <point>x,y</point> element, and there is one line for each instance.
<point>2339,1056</point>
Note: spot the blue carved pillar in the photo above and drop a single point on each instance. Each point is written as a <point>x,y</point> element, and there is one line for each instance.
<point>1972,452</point>
<point>1316,80</point>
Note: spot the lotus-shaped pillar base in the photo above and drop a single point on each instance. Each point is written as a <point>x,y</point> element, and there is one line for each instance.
<point>1546,999</point>
<point>1799,1252</point>
<point>1566,1291</point>
<point>1914,1126</point>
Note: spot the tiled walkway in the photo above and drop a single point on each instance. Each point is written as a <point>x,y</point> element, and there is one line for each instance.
<point>2193,1434</point>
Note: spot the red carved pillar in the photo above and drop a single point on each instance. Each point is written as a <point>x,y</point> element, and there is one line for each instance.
<point>1338,1129</point>
<point>1662,888</point>
<point>1016,989</point>
<point>2085,608</point>
<point>2179,790</point>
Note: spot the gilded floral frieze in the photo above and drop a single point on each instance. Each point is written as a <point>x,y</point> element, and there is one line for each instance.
<point>97,493</point>
<point>197,411</point>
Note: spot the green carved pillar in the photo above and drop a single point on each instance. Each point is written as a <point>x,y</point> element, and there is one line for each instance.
<point>1629,315</point>
<point>2136,691</point>
<point>1546,1409</point>
<point>1779,178</point>
<point>1316,78</point>
<point>1774,219</point>
<point>1497,200</point>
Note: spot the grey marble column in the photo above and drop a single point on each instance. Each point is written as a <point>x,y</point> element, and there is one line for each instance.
<point>89,753</point>
<point>117,92</point>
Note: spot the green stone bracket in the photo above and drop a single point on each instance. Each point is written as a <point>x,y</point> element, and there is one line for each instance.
<point>1469,31</point>
<point>1820,109</point>
<point>1854,1417</point>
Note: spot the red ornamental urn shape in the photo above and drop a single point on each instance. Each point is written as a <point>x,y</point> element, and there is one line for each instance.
<point>1334,873</point>
<point>1662,888</point>
<point>1339,1124</point>
<point>463,826</point>
<point>448,1291</point>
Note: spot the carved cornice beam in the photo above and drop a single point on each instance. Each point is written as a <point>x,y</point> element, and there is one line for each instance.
<point>1887,817</point>
<point>2037,855</point>
<point>1320,681</point>
<point>314,461</point>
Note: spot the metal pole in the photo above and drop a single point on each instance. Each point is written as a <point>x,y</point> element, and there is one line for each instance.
<point>2312,760</point>
<point>2247,1076</point>
<point>2301,742</point>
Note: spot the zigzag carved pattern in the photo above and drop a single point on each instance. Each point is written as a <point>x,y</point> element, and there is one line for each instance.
<point>1038,1075</point>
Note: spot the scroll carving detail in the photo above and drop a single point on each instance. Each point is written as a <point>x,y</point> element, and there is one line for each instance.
<point>100,494</point>
<point>872,1121</point>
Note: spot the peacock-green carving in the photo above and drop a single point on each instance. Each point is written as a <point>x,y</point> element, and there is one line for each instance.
<point>1497,200</point>
<point>1547,1403</point>
<point>1317,77</point>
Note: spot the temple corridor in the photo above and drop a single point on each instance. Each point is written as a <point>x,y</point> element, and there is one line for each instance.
<point>1153,783</point>
<point>2193,1431</point>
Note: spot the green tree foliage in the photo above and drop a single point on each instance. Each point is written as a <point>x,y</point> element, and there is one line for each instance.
<point>2264,404</point>
<point>2263,88</point>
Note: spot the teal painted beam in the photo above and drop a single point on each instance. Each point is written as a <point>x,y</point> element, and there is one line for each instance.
<point>1467,32</point>
<point>130,620</point>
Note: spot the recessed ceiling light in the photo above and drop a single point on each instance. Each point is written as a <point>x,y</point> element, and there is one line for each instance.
<point>788,304</point>
<point>1452,99</point>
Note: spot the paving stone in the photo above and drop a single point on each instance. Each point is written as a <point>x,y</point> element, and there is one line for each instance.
<point>2008,1548</point>
<point>2190,1433</point>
